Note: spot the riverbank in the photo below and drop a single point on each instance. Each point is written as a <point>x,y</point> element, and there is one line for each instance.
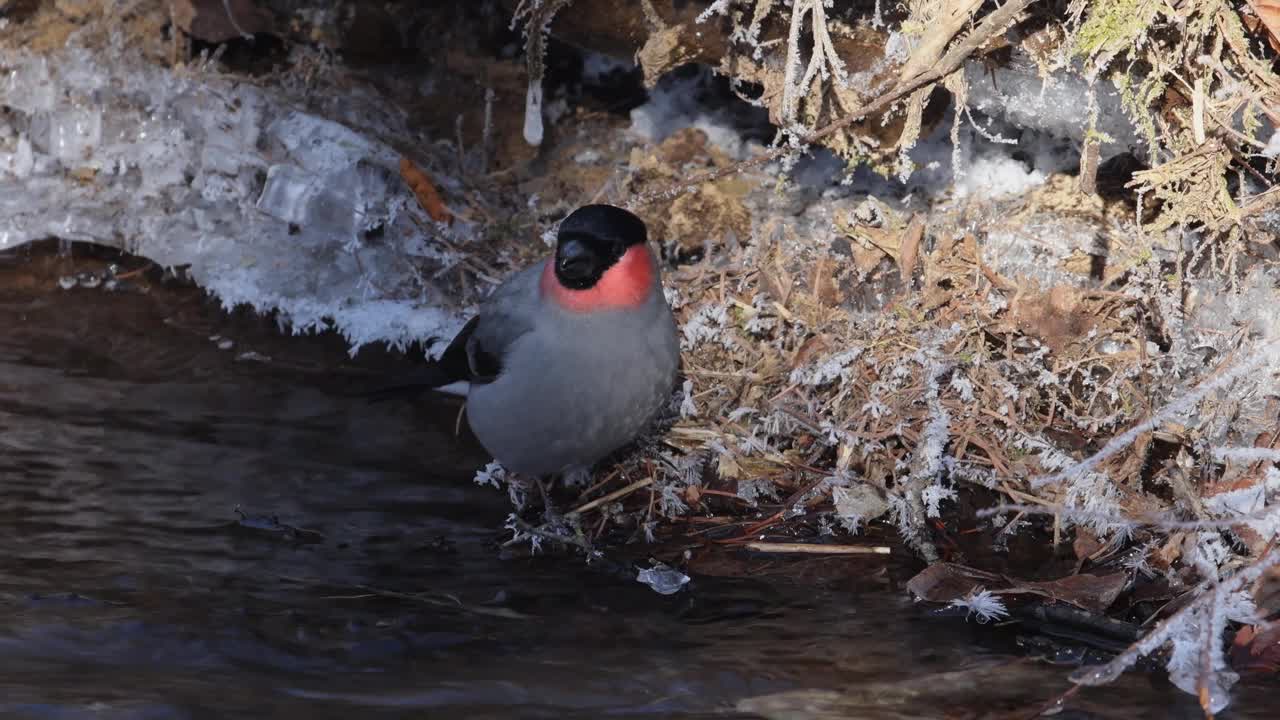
<point>1036,386</point>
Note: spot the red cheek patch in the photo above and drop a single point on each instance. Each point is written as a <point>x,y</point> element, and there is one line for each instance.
<point>624,285</point>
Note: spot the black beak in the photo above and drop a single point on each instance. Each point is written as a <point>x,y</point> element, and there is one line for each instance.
<point>577,265</point>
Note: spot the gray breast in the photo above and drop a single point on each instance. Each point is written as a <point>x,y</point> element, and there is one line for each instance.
<point>577,388</point>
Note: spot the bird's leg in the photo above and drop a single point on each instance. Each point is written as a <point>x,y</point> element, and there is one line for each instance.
<point>518,490</point>
<point>549,512</point>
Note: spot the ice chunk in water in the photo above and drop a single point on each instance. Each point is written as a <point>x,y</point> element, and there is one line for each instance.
<point>664,579</point>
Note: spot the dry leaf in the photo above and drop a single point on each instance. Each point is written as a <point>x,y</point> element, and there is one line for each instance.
<point>1168,554</point>
<point>808,350</point>
<point>1266,593</point>
<point>944,582</point>
<point>1086,544</point>
<point>1268,12</point>
<point>822,281</point>
<point>909,252</point>
<point>217,21</point>
<point>1057,318</point>
<point>425,191</point>
<point>728,466</point>
<point>707,215</point>
<point>1094,593</point>
<point>1256,650</point>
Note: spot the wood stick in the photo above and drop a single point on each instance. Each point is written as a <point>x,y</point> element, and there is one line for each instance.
<point>815,549</point>
<point>612,496</point>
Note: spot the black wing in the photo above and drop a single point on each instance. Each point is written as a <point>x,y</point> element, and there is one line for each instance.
<point>463,360</point>
<point>467,359</point>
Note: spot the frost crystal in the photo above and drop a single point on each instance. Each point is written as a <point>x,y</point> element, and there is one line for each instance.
<point>830,368</point>
<point>963,386</point>
<point>983,604</point>
<point>858,505</point>
<point>1204,629</point>
<point>719,7</point>
<point>706,325</point>
<point>753,490</point>
<point>933,497</point>
<point>688,408</point>
<point>492,474</point>
<point>671,501</point>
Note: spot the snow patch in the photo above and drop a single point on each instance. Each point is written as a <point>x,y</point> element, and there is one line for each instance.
<point>681,101</point>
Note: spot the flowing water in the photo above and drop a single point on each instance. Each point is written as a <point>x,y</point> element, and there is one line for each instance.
<point>199,520</point>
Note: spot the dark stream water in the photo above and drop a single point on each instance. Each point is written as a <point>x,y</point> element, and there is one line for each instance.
<point>131,587</point>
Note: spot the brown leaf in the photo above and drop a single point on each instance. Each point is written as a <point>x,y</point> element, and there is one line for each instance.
<point>1268,12</point>
<point>808,350</point>
<point>1086,544</point>
<point>909,252</point>
<point>944,582</point>
<point>1058,318</point>
<point>1094,593</point>
<point>1244,494</point>
<point>216,21</point>
<point>771,285</point>
<point>425,191</point>
<point>1266,593</point>
<point>1167,555</point>
<point>822,280</point>
<point>683,146</point>
<point>1256,650</point>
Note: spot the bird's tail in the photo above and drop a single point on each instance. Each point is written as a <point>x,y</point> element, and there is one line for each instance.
<point>409,384</point>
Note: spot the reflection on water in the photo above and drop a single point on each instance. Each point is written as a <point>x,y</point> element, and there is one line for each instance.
<point>192,531</point>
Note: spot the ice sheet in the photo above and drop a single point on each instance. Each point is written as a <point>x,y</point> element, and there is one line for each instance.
<point>268,204</point>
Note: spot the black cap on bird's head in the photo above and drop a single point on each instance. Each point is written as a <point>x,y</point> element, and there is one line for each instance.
<point>591,240</point>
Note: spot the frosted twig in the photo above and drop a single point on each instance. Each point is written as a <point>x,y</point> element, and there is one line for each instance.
<point>993,24</point>
<point>521,526</point>
<point>943,25</point>
<point>719,7</point>
<point>486,131</point>
<point>1246,454</point>
<point>1261,356</point>
<point>790,101</point>
<point>226,5</point>
<point>1164,523</point>
<point>1208,597</point>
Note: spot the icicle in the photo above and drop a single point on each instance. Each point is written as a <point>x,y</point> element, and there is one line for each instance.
<point>533,113</point>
